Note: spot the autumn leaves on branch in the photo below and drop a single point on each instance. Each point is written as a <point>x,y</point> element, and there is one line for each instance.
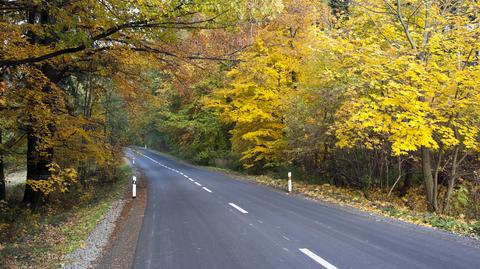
<point>350,91</point>
<point>70,66</point>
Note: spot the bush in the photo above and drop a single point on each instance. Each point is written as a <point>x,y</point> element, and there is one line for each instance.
<point>476,227</point>
<point>123,172</point>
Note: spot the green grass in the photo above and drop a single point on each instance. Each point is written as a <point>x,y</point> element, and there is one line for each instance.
<point>448,223</point>
<point>85,220</point>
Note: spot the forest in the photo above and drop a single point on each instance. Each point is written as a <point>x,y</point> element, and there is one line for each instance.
<point>380,97</point>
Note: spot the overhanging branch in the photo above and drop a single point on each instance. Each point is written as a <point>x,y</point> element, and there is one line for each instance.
<point>139,24</point>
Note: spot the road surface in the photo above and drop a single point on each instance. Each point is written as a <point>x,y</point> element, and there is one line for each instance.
<point>197,218</point>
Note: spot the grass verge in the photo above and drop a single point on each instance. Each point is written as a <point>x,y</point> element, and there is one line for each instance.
<point>42,238</point>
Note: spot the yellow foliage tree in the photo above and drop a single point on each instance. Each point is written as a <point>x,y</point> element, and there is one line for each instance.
<point>418,87</point>
<point>254,101</point>
<point>262,84</point>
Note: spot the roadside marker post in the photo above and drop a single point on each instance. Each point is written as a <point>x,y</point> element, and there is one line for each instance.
<point>289,182</point>
<point>134,187</point>
<point>133,160</point>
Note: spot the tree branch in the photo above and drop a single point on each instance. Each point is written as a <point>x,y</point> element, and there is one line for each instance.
<point>138,24</point>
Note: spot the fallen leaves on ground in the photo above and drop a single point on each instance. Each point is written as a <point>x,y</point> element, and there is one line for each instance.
<point>409,208</point>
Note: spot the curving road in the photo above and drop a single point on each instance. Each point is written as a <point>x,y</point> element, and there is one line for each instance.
<point>202,219</point>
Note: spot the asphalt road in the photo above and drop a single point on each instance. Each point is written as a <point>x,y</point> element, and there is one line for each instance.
<point>197,218</point>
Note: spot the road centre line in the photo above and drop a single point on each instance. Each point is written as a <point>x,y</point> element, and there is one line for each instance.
<point>207,189</point>
<point>198,184</point>
<point>238,208</point>
<point>317,258</point>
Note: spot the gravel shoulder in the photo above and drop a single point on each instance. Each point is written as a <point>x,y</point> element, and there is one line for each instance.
<point>112,243</point>
<point>120,252</point>
<point>85,257</point>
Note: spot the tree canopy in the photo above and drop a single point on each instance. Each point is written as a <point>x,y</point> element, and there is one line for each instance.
<point>352,93</point>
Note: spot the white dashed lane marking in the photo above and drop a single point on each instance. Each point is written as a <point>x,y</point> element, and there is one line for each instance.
<point>238,208</point>
<point>191,179</point>
<point>317,258</point>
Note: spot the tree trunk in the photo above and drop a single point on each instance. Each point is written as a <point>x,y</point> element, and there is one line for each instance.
<point>38,160</point>
<point>451,181</point>
<point>446,202</point>
<point>37,169</point>
<point>2,175</point>
<point>428,179</point>
<point>407,179</point>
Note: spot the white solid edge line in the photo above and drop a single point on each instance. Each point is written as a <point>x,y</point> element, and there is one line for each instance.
<point>317,258</point>
<point>198,184</point>
<point>207,189</point>
<point>238,208</point>
<point>191,179</point>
